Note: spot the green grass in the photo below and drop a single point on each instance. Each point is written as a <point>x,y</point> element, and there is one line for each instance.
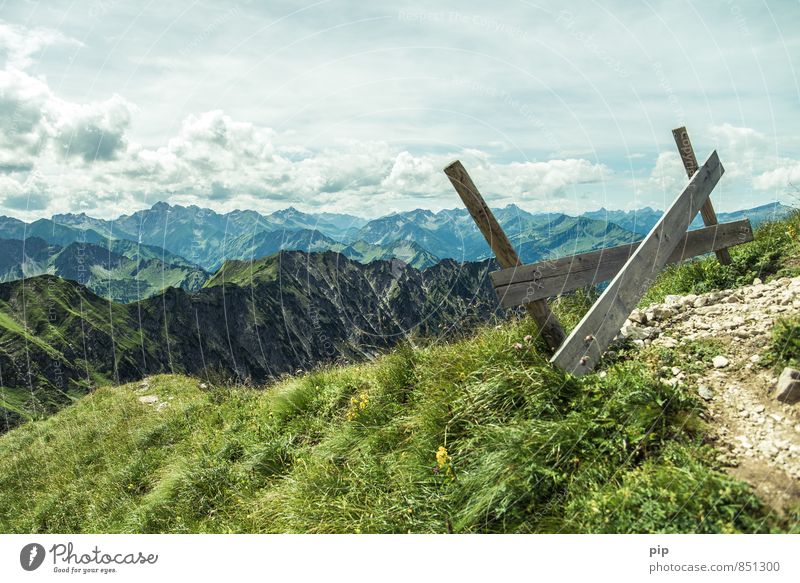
<point>785,347</point>
<point>774,252</point>
<point>354,449</point>
<point>244,272</point>
<point>481,435</point>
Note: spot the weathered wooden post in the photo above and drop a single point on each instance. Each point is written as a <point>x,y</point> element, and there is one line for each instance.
<point>690,165</point>
<point>507,257</point>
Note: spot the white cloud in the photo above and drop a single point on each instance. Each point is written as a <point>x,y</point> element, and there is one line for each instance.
<point>736,138</point>
<point>788,172</point>
<point>20,44</point>
<point>667,175</point>
<point>23,118</point>
<point>93,131</point>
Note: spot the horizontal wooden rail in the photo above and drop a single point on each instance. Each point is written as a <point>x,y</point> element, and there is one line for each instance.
<point>520,285</point>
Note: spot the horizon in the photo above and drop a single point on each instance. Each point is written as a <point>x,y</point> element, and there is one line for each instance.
<point>347,108</point>
<point>367,219</point>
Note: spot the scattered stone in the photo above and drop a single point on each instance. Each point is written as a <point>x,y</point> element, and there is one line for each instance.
<point>720,361</point>
<point>788,389</point>
<point>203,386</point>
<point>639,317</point>
<point>148,399</point>
<point>733,384</point>
<point>667,342</point>
<point>757,281</point>
<point>767,448</point>
<point>664,313</point>
<point>705,393</point>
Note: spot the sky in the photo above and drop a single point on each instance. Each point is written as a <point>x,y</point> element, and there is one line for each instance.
<point>107,107</point>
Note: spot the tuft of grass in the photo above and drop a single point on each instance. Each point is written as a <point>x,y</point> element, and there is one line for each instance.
<point>784,349</point>
<point>774,252</point>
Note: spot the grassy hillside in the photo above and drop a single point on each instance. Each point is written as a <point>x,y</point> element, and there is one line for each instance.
<point>481,435</point>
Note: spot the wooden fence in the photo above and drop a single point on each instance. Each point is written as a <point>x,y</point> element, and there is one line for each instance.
<point>631,268</point>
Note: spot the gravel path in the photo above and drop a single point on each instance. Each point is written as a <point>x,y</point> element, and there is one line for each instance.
<point>758,436</point>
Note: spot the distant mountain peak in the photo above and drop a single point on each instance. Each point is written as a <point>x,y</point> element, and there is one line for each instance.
<point>287,212</point>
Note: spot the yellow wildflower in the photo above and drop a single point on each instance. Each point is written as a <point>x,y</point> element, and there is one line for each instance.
<point>442,457</point>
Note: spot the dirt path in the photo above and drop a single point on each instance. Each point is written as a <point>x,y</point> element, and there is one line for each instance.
<point>758,436</point>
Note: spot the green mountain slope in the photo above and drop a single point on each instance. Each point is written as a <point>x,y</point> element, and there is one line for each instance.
<point>54,345</point>
<point>253,321</point>
<point>119,270</point>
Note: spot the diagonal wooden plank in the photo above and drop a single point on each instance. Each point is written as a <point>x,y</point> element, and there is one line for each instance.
<point>519,285</point>
<point>686,151</point>
<point>551,329</point>
<point>583,348</point>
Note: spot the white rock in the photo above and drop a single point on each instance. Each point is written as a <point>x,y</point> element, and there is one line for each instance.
<point>767,448</point>
<point>637,316</point>
<point>705,392</point>
<point>661,313</point>
<point>757,281</point>
<point>667,342</point>
<point>788,386</point>
<point>720,361</point>
<point>631,331</point>
<point>148,399</point>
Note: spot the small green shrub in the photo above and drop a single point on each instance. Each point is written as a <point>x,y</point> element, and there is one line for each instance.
<point>785,346</point>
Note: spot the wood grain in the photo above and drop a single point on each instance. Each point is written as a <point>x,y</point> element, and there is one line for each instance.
<point>582,350</point>
<point>519,285</point>
<point>551,329</point>
<point>689,160</point>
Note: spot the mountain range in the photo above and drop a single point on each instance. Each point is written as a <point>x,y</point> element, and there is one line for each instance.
<point>252,321</point>
<point>138,255</point>
<point>119,270</point>
<point>640,221</point>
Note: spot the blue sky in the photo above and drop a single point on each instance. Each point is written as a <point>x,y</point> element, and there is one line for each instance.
<point>109,106</point>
